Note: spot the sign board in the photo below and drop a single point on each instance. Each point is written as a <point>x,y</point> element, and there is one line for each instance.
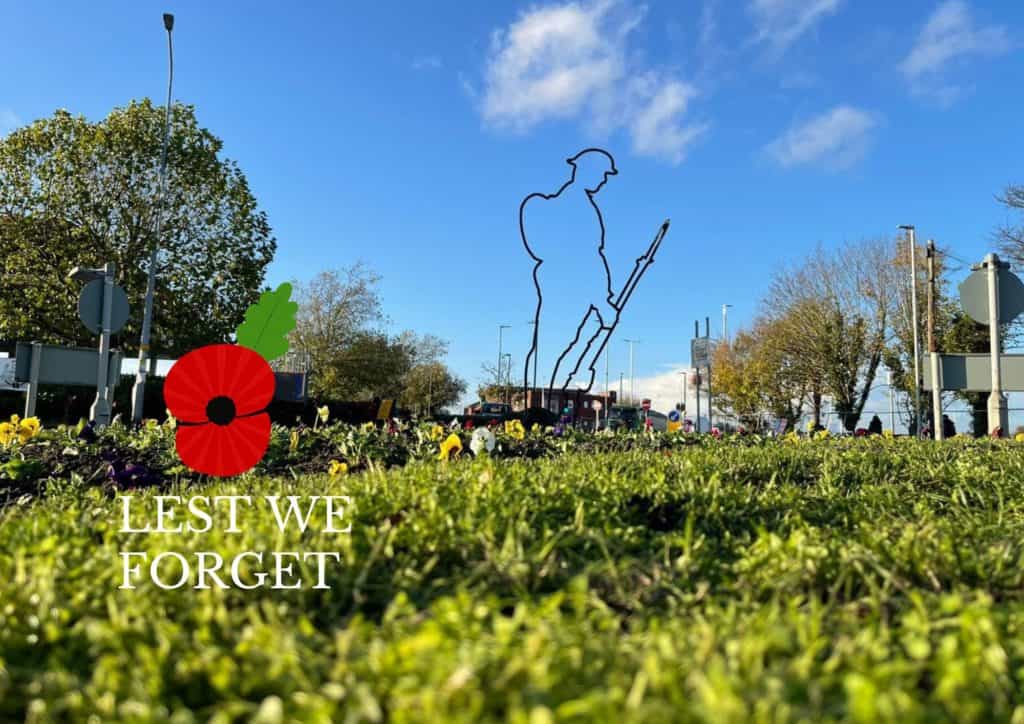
<point>385,409</point>
<point>64,365</point>
<point>973,372</point>
<point>974,296</point>
<point>700,351</point>
<point>645,404</point>
<point>673,416</point>
<point>90,307</point>
<point>7,381</point>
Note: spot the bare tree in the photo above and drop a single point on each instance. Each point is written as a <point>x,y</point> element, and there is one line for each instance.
<point>831,317</point>
<point>1011,238</point>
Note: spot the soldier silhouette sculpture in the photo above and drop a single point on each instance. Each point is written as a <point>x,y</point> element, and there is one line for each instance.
<point>591,321</point>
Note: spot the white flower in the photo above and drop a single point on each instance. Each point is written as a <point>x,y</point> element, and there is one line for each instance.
<point>483,439</point>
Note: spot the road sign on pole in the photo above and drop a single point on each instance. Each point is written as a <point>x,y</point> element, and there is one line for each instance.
<point>974,294</point>
<point>972,373</point>
<point>90,307</point>
<point>49,364</point>
<point>700,351</point>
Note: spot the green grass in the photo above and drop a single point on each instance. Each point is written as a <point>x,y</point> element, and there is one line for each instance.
<point>862,580</point>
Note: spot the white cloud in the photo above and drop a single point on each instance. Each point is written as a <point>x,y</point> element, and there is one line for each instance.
<point>8,121</point>
<point>571,61</point>
<point>835,139</point>
<point>655,128</point>
<point>950,33</point>
<point>426,62</point>
<point>663,389</point>
<point>780,23</point>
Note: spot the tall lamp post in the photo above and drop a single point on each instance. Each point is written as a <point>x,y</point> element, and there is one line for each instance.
<point>139,391</point>
<point>632,379</point>
<point>913,313</point>
<point>501,329</point>
<point>725,322</point>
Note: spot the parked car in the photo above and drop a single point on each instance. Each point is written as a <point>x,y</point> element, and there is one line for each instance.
<point>496,410</point>
<point>625,417</point>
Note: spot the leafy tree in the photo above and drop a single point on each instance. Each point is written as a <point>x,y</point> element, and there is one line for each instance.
<point>336,307</point>
<point>500,387</point>
<point>74,192</point>
<point>754,379</point>
<point>338,327</point>
<point>430,387</point>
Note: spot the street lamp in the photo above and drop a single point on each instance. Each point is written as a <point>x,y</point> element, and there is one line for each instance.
<point>912,238</point>
<point>725,322</point>
<point>632,379</point>
<point>139,391</point>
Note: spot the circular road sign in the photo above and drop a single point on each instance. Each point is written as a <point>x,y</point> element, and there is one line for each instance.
<point>674,416</point>
<point>974,296</point>
<point>90,307</point>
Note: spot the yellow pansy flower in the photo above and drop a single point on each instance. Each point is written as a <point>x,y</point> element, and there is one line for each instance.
<point>293,441</point>
<point>535,428</point>
<point>7,433</point>
<point>367,427</point>
<point>336,468</point>
<point>28,429</point>
<point>1019,437</point>
<point>436,432</point>
<point>451,444</point>
<point>323,413</point>
<point>15,420</point>
<point>515,429</point>
<point>822,435</point>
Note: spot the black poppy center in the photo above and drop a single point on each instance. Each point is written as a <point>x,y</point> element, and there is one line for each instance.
<point>220,410</point>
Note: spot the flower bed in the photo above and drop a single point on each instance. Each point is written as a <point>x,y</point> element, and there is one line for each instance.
<point>634,578</point>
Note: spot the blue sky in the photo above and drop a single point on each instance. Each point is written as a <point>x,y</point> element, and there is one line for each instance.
<point>406,134</point>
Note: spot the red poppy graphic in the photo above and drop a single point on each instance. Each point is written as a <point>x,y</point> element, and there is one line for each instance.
<point>219,393</point>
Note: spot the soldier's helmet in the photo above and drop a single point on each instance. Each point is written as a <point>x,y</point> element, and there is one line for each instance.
<point>591,168</point>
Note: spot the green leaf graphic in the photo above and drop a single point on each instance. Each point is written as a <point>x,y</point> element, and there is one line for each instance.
<point>268,322</point>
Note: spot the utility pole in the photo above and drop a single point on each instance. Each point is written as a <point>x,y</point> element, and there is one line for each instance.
<point>139,391</point>
<point>620,388</point>
<point>892,406</point>
<point>933,348</point>
<point>711,407</point>
<point>725,322</point>
<point>916,327</point>
<point>632,379</point>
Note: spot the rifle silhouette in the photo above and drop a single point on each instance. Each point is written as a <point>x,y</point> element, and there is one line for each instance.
<point>643,262</point>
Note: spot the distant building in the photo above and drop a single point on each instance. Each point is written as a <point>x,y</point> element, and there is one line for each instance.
<point>581,404</point>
